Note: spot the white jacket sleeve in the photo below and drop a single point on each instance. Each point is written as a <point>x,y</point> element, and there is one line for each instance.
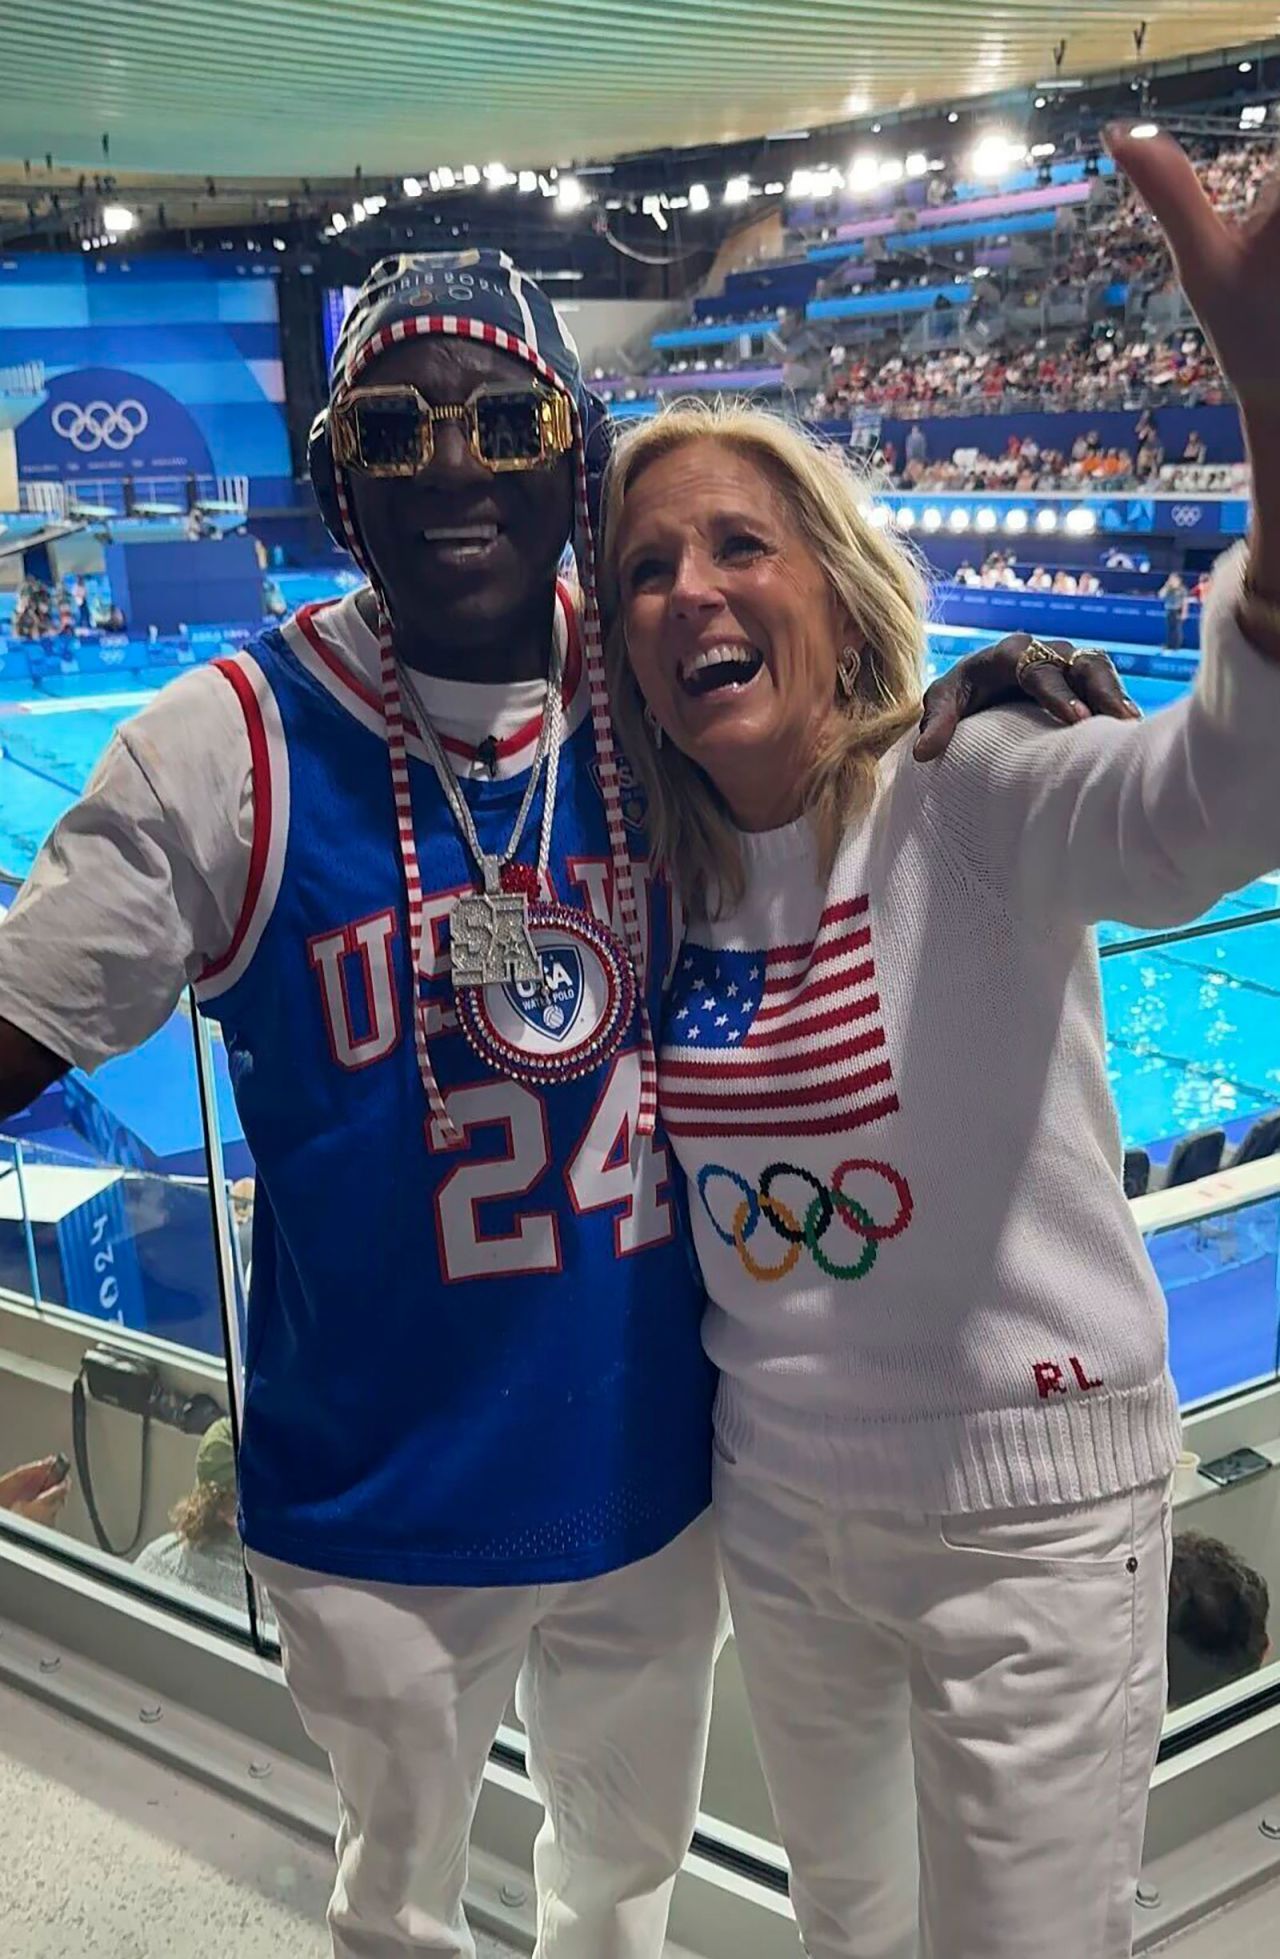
<point>140,884</point>
<point>1145,822</point>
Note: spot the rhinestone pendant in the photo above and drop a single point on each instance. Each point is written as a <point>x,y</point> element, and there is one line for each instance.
<point>490,943</point>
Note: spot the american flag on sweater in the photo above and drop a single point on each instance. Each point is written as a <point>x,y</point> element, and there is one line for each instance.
<point>780,1043</point>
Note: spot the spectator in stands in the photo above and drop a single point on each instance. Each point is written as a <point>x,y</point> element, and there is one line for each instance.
<point>80,600</point>
<point>966,575</point>
<point>917,446</point>
<point>1040,580</point>
<point>1063,582</point>
<point>1088,584</point>
<point>36,1490</point>
<point>1176,604</point>
<point>1218,1608</point>
<point>202,1552</point>
<point>1194,449</point>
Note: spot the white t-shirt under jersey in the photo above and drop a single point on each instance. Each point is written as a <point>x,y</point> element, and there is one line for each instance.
<point>140,885</point>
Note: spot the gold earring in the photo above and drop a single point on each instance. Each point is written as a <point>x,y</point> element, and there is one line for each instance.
<point>848,667</point>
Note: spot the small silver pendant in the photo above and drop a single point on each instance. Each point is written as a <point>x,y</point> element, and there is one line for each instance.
<point>490,942</point>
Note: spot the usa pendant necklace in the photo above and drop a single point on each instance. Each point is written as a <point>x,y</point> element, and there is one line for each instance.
<point>543,993</point>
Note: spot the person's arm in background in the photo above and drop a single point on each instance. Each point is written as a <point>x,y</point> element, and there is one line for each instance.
<point>1151,824</point>
<point>137,889</point>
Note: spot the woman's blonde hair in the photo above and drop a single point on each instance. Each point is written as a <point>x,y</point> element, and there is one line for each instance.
<point>201,1516</point>
<point>877,583</point>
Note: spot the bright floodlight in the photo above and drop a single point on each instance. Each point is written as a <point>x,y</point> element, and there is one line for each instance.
<point>985,519</point>
<point>446,176</point>
<point>958,520</point>
<point>1015,522</point>
<point>1046,521</point>
<point>470,175</point>
<point>117,218</point>
<point>905,517</point>
<point>411,187</point>
<point>1080,522</point>
<point>569,194</point>
<point>917,164</point>
<point>994,155</point>
<point>879,515</point>
<point>338,222</point>
<point>699,197</point>
<point>527,181</point>
<point>737,190</point>
<point>931,519</point>
<point>892,170</point>
<point>1142,132</point>
<point>863,173</point>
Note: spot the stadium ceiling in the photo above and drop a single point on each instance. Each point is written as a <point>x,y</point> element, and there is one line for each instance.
<point>267,88</point>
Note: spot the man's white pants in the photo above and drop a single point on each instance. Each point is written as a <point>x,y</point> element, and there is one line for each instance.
<point>404,1688</point>
<point>957,1716</point>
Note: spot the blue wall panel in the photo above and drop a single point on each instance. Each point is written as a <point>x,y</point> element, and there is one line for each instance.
<point>154,367</point>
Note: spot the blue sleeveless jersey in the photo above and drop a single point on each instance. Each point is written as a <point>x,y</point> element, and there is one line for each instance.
<point>473,1365</point>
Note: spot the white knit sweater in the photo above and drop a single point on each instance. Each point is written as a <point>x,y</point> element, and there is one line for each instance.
<point>963,1317</point>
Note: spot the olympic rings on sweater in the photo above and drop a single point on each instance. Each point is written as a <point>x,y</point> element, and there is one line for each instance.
<point>827,1203</point>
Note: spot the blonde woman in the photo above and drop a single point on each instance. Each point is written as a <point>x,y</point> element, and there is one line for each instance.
<point>946,1425</point>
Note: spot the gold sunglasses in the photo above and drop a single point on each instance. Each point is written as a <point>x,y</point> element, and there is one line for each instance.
<point>391,431</point>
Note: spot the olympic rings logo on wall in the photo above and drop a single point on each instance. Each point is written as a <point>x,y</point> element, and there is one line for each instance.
<point>1185,515</point>
<point>98,425</point>
<point>828,1205</point>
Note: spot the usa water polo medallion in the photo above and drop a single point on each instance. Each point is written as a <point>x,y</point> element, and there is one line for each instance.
<point>568,1022</point>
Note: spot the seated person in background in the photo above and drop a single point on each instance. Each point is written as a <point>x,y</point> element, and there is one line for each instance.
<point>1194,450</point>
<point>202,1552</point>
<point>1063,582</point>
<point>36,1490</point>
<point>1218,1609</point>
<point>1040,580</point>
<point>1088,585</point>
<point>966,575</point>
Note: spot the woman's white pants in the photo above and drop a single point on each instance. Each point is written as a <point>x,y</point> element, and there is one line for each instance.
<point>404,1688</point>
<point>957,1716</point>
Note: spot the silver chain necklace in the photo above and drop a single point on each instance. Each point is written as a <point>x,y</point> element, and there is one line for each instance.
<point>490,940</point>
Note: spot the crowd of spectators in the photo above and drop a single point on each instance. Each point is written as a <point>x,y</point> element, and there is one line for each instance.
<point>45,612</point>
<point>1025,469</point>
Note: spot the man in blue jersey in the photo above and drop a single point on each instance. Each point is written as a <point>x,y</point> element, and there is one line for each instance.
<point>392,849</point>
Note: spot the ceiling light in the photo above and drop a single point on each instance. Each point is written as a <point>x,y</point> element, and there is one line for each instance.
<point>1015,521</point>
<point>1046,521</point>
<point>358,212</point>
<point>958,520</point>
<point>1040,101</point>
<point>652,205</point>
<point>1041,150</point>
<point>446,177</point>
<point>862,173</point>
<point>985,520</point>
<point>279,244</point>
<point>411,187</point>
<point>1080,522</point>
<point>917,164</point>
<point>931,519</point>
<point>117,218</point>
<point>876,128</point>
<point>338,222</point>
<point>1142,132</point>
<point>1246,68</point>
<point>737,190</point>
<point>498,177</point>
<point>699,197</point>
<point>892,170</point>
<point>952,116</point>
<point>527,181</point>
<point>470,175</point>
<point>995,153</point>
<point>904,517</point>
<point>879,515</point>
<point>374,204</point>
<point>570,195</point>
<point>774,190</point>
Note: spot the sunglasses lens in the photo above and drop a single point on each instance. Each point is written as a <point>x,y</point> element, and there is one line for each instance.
<point>387,428</point>
<point>509,427</point>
